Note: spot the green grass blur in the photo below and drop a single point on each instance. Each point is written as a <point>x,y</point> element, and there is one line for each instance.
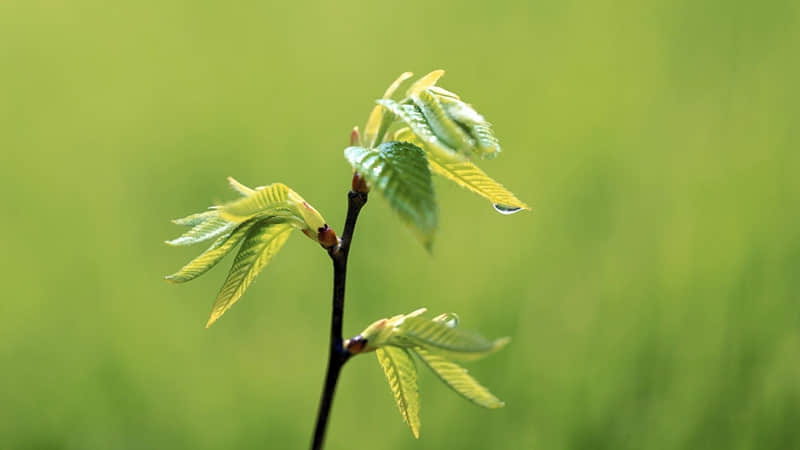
<point>653,294</point>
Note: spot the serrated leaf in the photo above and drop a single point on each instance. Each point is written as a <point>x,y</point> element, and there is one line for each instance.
<point>206,228</point>
<point>270,200</point>
<point>413,117</point>
<point>275,200</point>
<point>401,373</point>
<point>399,170</point>
<point>485,143</point>
<point>196,219</point>
<point>441,338</point>
<point>261,243</point>
<point>469,176</point>
<point>445,128</point>
<point>458,379</point>
<point>211,256</point>
<point>380,119</point>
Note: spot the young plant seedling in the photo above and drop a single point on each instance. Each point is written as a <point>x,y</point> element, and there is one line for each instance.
<point>430,130</point>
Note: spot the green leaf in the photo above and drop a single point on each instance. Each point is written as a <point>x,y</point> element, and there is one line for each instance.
<point>413,117</point>
<point>485,143</point>
<point>451,342</point>
<point>261,243</point>
<point>196,219</point>
<point>399,170</point>
<point>398,365</point>
<point>380,119</point>
<point>208,226</point>
<point>275,200</point>
<point>468,175</point>
<point>270,200</point>
<point>458,379</point>
<point>425,82</point>
<point>445,128</point>
<point>240,188</point>
<point>211,256</point>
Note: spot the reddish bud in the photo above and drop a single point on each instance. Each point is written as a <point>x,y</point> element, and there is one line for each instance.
<point>359,184</point>
<point>327,237</point>
<point>355,345</point>
<point>355,137</point>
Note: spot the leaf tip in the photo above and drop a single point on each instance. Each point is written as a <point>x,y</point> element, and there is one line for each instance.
<point>501,342</point>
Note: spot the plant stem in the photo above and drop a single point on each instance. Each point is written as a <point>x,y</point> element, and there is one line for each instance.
<point>337,354</point>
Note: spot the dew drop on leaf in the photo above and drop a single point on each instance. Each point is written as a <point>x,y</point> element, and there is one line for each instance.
<point>506,210</point>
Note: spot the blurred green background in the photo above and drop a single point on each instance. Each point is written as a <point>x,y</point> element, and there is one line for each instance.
<point>653,294</point>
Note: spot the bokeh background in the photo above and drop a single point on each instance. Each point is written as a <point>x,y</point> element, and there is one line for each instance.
<point>653,293</point>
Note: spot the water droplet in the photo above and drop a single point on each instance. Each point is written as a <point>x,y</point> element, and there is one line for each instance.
<point>449,319</point>
<point>506,210</point>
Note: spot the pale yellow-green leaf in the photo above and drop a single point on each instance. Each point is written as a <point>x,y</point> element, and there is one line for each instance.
<point>451,342</point>
<point>443,93</point>
<point>467,175</point>
<point>211,256</point>
<point>380,119</point>
<point>458,379</point>
<point>196,219</point>
<point>412,116</point>
<point>207,227</point>
<point>275,200</point>
<point>485,143</point>
<point>380,332</point>
<point>311,218</point>
<point>425,82</point>
<point>268,201</point>
<point>398,365</point>
<point>445,128</point>
<point>261,243</point>
<point>240,188</point>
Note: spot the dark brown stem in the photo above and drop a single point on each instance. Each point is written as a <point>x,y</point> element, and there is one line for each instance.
<point>337,354</point>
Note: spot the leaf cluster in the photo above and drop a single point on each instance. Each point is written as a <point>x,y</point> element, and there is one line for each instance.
<point>437,343</point>
<point>261,221</point>
<point>429,130</point>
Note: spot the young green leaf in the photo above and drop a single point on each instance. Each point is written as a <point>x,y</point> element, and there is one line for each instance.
<point>468,175</point>
<point>439,335</point>
<point>412,116</point>
<point>401,373</point>
<point>240,188</point>
<point>262,242</point>
<point>196,219</point>
<point>443,339</point>
<point>261,221</point>
<point>445,128</point>
<point>380,118</point>
<point>484,142</point>
<point>207,226</point>
<point>458,379</point>
<point>399,170</point>
<point>427,81</point>
<point>211,256</point>
<point>272,200</point>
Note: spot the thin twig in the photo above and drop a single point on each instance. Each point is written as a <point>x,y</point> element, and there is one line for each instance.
<point>337,355</point>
